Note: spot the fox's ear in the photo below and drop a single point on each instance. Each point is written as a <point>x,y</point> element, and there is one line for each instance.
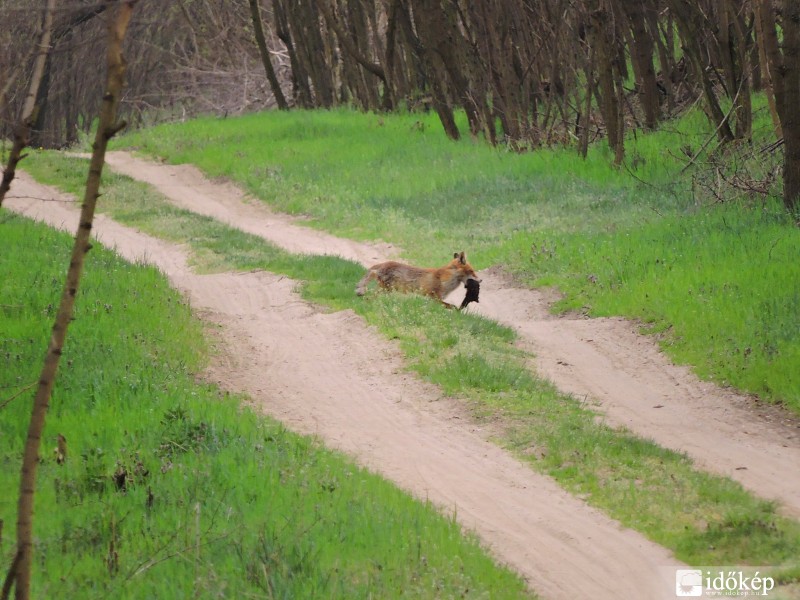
<point>462,258</point>
<point>455,255</point>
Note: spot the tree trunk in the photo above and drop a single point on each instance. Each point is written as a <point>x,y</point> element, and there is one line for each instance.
<point>666,54</point>
<point>785,77</point>
<point>350,46</point>
<point>788,105</point>
<point>366,47</point>
<point>258,31</point>
<point>106,129</point>
<point>609,100</point>
<point>770,57</point>
<point>586,116</point>
<point>642,57</point>
<point>38,127</point>
<point>301,91</point>
<point>434,69</point>
<point>691,25</point>
<point>452,60</point>
<point>391,92</point>
<point>23,130</point>
<point>733,55</point>
<point>317,61</point>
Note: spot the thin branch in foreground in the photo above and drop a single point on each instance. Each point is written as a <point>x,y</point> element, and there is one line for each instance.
<point>21,568</point>
<point>38,199</point>
<point>8,401</point>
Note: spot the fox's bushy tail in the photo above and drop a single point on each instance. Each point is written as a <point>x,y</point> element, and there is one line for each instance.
<point>361,288</point>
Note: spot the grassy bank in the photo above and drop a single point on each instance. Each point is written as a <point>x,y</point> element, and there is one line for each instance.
<point>170,488</point>
<point>720,283</point>
<point>710,520</point>
<point>721,289</point>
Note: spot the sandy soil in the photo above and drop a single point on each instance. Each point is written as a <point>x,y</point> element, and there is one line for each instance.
<point>630,382</point>
<point>330,375</point>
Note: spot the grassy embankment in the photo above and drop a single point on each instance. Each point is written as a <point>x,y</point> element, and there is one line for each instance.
<point>720,284</point>
<point>705,519</point>
<point>215,501</point>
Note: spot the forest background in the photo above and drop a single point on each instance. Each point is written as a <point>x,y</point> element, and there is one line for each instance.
<point>526,73</point>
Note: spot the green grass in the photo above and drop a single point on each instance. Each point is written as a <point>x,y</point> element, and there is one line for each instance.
<point>217,501</point>
<point>718,282</point>
<point>737,276</point>
<point>705,519</point>
<point>368,176</point>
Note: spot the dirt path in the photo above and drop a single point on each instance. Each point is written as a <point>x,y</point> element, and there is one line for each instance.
<point>330,375</point>
<point>604,360</point>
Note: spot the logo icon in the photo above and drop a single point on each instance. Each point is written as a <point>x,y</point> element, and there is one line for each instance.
<point>689,583</point>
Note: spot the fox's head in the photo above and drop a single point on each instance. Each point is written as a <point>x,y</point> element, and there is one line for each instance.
<point>465,270</point>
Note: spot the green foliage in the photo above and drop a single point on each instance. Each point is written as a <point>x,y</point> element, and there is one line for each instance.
<point>720,288</point>
<point>171,489</point>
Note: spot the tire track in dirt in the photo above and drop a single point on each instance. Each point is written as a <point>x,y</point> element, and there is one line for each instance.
<point>623,374</point>
<point>332,376</point>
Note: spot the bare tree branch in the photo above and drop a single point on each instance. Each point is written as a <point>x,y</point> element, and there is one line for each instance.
<point>20,571</point>
<point>258,31</point>
<point>23,131</point>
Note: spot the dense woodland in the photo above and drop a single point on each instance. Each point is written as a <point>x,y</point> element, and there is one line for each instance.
<point>526,73</point>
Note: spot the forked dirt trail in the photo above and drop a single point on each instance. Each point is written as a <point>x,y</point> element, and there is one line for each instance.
<point>603,360</point>
<point>329,375</point>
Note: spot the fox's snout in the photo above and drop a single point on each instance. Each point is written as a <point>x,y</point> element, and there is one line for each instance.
<point>472,276</point>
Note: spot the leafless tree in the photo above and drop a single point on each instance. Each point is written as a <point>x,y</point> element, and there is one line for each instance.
<point>525,73</point>
<point>784,67</point>
<point>20,571</point>
<point>186,58</point>
<point>261,41</point>
<point>23,130</point>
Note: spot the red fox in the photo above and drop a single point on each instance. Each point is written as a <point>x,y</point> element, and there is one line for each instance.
<point>436,283</point>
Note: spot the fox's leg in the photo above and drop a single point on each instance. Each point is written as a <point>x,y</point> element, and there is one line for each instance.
<point>361,288</point>
<point>437,295</point>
